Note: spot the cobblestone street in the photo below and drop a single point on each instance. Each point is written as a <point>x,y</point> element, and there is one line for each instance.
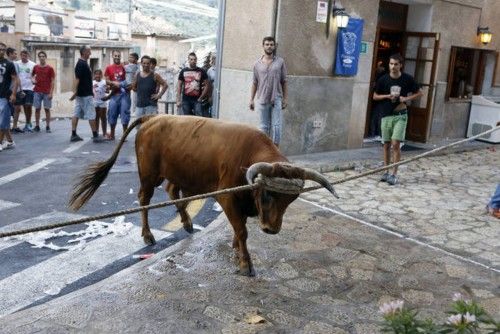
<point>440,200</point>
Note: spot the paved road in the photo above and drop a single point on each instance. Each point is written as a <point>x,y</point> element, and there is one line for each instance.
<point>439,202</point>
<point>35,182</point>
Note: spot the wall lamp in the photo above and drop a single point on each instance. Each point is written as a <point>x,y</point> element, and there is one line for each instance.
<point>484,35</point>
<point>341,16</point>
<point>338,13</point>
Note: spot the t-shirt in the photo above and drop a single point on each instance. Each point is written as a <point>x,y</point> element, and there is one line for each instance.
<point>407,85</point>
<point>83,72</point>
<point>99,90</point>
<point>192,79</point>
<point>7,69</point>
<point>115,73</point>
<point>130,72</point>
<point>44,77</point>
<point>24,73</point>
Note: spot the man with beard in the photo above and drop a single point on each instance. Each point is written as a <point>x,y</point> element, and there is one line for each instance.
<point>119,103</point>
<point>270,88</point>
<point>194,86</point>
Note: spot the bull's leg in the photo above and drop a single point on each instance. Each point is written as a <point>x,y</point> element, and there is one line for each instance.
<point>174,193</point>
<point>145,194</point>
<point>238,222</point>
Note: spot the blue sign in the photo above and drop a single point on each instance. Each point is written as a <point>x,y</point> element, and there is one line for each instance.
<point>348,48</point>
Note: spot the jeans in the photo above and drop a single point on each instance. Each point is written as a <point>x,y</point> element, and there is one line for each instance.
<point>191,107</point>
<point>271,119</point>
<point>119,105</point>
<point>4,114</point>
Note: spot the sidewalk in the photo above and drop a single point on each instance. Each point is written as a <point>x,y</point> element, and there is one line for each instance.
<point>323,273</point>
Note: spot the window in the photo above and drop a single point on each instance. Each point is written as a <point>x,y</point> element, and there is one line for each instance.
<point>466,72</point>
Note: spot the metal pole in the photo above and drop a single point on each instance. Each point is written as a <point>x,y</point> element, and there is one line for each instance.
<point>218,61</point>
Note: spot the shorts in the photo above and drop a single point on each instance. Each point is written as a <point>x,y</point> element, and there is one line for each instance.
<point>119,105</point>
<point>4,114</point>
<point>394,127</point>
<point>24,97</point>
<point>148,110</point>
<point>40,98</point>
<point>100,104</point>
<point>84,107</point>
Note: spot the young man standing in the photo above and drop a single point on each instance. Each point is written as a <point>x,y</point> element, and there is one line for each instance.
<point>43,78</point>
<point>8,88</point>
<point>25,96</point>
<point>145,84</point>
<point>12,56</point>
<point>83,96</point>
<point>393,91</point>
<point>119,103</point>
<point>270,88</point>
<point>194,86</point>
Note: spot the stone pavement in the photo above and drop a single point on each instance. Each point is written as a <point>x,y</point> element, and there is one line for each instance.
<point>323,273</point>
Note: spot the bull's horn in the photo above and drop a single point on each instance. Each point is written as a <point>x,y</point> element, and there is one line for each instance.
<point>311,174</point>
<point>264,168</point>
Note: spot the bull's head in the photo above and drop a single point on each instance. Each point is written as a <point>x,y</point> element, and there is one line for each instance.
<point>287,180</point>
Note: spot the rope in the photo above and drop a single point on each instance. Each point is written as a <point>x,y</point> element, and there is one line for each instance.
<point>403,162</point>
<point>259,183</point>
<point>128,211</point>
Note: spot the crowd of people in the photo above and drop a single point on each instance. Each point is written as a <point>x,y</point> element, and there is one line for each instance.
<point>102,97</point>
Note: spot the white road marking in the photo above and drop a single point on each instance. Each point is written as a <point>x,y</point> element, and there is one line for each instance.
<point>75,146</point>
<point>399,235</point>
<point>25,171</point>
<point>4,205</point>
<point>49,277</point>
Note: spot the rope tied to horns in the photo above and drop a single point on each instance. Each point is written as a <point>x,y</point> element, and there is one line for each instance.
<point>280,184</point>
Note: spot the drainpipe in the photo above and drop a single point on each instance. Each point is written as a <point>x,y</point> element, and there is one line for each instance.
<point>275,22</point>
<point>218,60</point>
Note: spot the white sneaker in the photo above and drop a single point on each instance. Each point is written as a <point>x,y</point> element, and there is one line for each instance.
<point>8,145</point>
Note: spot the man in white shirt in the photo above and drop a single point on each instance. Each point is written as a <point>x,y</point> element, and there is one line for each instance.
<point>25,96</point>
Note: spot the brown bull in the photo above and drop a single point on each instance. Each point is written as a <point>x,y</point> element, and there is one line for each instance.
<point>200,155</point>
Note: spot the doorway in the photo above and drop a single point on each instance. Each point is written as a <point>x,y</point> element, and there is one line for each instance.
<point>419,50</point>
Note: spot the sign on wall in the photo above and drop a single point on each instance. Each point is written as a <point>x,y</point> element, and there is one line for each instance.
<point>322,11</point>
<point>349,48</point>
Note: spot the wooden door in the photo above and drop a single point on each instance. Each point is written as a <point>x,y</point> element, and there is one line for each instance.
<point>420,53</point>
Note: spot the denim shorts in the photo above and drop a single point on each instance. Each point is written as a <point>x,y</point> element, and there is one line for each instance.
<point>101,104</point>
<point>4,114</point>
<point>84,107</point>
<point>24,97</point>
<point>149,110</point>
<point>40,98</point>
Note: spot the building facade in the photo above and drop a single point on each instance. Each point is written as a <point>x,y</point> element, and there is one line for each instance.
<point>61,33</point>
<point>438,39</point>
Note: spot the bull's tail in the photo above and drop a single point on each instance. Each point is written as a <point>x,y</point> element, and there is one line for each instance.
<point>90,180</point>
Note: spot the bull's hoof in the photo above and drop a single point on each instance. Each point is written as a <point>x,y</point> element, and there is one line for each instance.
<point>247,270</point>
<point>149,239</point>
<point>188,227</point>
